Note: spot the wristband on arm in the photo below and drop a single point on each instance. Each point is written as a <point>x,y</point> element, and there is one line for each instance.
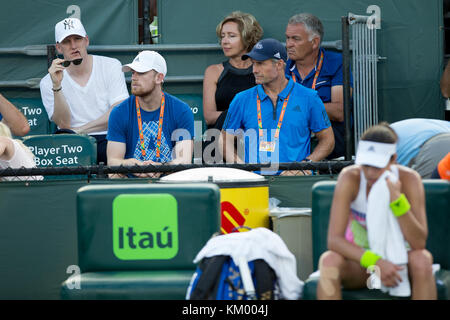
<point>368,259</point>
<point>400,206</point>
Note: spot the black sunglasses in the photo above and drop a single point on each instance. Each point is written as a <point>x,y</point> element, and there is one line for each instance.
<point>67,63</point>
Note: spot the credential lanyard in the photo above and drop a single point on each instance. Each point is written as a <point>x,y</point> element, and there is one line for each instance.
<point>160,123</point>
<point>316,76</point>
<point>280,121</point>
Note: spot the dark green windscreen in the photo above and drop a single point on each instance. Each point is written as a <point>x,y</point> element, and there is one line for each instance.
<point>411,39</point>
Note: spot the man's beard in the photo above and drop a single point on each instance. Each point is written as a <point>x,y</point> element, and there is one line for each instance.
<point>141,92</point>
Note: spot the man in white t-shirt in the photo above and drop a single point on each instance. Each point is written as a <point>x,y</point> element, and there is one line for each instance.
<point>80,90</point>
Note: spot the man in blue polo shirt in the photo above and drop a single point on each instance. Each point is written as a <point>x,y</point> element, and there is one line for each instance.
<point>318,69</point>
<point>277,115</point>
<point>13,118</point>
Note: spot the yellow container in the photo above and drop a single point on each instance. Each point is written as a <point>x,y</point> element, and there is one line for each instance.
<point>244,196</point>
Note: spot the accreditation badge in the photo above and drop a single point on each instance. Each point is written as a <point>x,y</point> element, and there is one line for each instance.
<point>267,146</point>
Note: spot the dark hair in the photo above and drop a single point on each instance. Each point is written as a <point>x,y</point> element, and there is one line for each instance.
<point>381,132</point>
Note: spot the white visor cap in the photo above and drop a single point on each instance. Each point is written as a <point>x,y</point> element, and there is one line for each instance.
<point>375,154</point>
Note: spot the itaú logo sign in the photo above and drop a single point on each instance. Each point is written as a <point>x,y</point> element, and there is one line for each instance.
<point>230,217</point>
<point>145,227</point>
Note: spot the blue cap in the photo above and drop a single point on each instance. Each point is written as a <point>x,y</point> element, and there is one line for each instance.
<point>267,49</point>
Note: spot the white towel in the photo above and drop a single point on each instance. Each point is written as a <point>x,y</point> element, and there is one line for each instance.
<point>384,233</point>
<point>259,243</point>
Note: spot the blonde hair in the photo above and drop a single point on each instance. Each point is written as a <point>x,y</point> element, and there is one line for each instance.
<point>6,132</point>
<point>249,28</point>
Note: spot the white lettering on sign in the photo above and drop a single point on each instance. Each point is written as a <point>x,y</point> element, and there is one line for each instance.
<point>73,282</point>
<point>74,11</point>
<point>44,156</point>
<point>194,110</point>
<point>66,161</point>
<point>40,151</point>
<point>374,21</point>
<point>71,149</point>
<point>27,111</point>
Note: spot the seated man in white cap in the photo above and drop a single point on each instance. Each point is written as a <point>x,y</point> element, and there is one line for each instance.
<point>151,126</point>
<point>80,90</point>
<point>354,240</point>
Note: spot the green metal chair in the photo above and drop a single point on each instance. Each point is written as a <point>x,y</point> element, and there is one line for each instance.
<point>62,150</point>
<point>139,241</point>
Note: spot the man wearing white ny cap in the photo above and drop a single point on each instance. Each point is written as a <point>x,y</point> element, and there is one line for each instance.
<point>151,126</point>
<point>363,193</point>
<point>80,90</point>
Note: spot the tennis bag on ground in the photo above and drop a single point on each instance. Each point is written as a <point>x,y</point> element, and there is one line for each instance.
<point>219,278</point>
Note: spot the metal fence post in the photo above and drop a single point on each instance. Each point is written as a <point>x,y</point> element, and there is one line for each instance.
<point>346,79</point>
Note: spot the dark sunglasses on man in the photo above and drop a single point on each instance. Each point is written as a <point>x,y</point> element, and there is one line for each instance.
<point>67,63</point>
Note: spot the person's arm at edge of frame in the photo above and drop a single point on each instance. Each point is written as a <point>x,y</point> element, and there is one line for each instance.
<point>335,108</point>
<point>226,145</point>
<point>6,148</point>
<point>445,81</point>
<point>61,111</point>
<point>211,77</point>
<point>99,124</point>
<point>13,118</point>
<point>325,145</point>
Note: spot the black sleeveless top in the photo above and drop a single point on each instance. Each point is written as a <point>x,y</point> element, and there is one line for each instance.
<point>231,82</point>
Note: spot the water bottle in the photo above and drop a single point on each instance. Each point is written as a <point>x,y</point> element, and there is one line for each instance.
<point>154,30</point>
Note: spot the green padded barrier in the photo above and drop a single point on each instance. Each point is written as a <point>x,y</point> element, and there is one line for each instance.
<point>322,196</point>
<point>198,206</point>
<point>34,111</point>
<point>130,285</point>
<point>115,222</point>
<point>62,150</point>
<point>408,84</point>
<point>437,193</point>
<point>295,191</point>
